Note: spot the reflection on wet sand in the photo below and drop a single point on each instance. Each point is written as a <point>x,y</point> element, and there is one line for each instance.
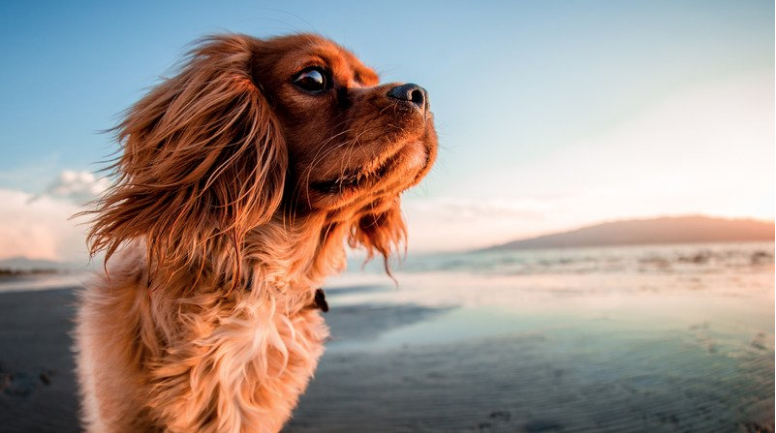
<point>639,339</point>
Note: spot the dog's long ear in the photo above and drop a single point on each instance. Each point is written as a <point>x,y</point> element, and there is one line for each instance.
<point>203,161</point>
<point>381,231</point>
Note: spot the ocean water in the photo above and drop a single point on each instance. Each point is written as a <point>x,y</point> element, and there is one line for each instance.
<point>581,280</point>
<point>648,338</point>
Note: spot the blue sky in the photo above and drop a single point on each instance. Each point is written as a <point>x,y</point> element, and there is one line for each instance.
<point>544,108</point>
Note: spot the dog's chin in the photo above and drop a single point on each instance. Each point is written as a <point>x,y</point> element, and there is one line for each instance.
<point>389,174</point>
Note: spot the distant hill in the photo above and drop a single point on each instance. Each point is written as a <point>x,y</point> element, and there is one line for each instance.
<point>25,265</point>
<point>669,230</point>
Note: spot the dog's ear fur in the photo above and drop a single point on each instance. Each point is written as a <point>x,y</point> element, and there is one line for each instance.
<point>203,162</point>
<point>381,231</point>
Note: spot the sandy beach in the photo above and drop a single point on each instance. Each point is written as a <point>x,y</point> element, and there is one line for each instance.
<point>38,391</point>
<point>564,362</point>
<point>681,350</point>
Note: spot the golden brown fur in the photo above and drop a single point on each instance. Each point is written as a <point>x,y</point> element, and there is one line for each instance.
<point>236,192</point>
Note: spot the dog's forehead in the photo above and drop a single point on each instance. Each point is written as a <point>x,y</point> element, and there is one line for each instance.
<point>339,59</point>
<point>342,61</point>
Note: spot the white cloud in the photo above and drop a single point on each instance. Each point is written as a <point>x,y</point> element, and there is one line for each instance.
<point>40,228</point>
<point>43,226</point>
<point>445,224</point>
<point>77,186</point>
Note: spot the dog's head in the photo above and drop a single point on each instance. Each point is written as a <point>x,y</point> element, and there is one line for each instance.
<point>348,137</point>
<point>253,131</point>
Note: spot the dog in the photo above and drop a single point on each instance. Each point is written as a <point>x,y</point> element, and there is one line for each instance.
<point>240,181</point>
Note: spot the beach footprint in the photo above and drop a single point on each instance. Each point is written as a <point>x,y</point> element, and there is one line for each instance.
<point>22,384</point>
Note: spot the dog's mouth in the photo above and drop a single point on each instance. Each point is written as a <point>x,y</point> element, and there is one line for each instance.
<point>404,167</point>
<point>353,179</point>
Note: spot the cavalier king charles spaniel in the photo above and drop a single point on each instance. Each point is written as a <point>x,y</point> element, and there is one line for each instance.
<point>240,181</point>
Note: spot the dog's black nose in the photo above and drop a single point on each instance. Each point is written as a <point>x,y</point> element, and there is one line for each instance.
<point>412,93</point>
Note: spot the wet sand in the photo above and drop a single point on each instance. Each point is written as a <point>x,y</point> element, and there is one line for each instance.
<point>421,367</point>
<point>546,372</point>
<point>37,386</point>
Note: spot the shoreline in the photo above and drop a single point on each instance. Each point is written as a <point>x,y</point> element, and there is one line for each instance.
<point>430,362</point>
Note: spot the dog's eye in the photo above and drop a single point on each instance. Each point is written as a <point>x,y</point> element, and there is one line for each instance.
<point>312,80</point>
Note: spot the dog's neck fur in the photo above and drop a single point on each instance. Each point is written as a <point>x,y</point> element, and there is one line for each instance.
<point>286,258</point>
<point>295,255</point>
<point>284,262</point>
